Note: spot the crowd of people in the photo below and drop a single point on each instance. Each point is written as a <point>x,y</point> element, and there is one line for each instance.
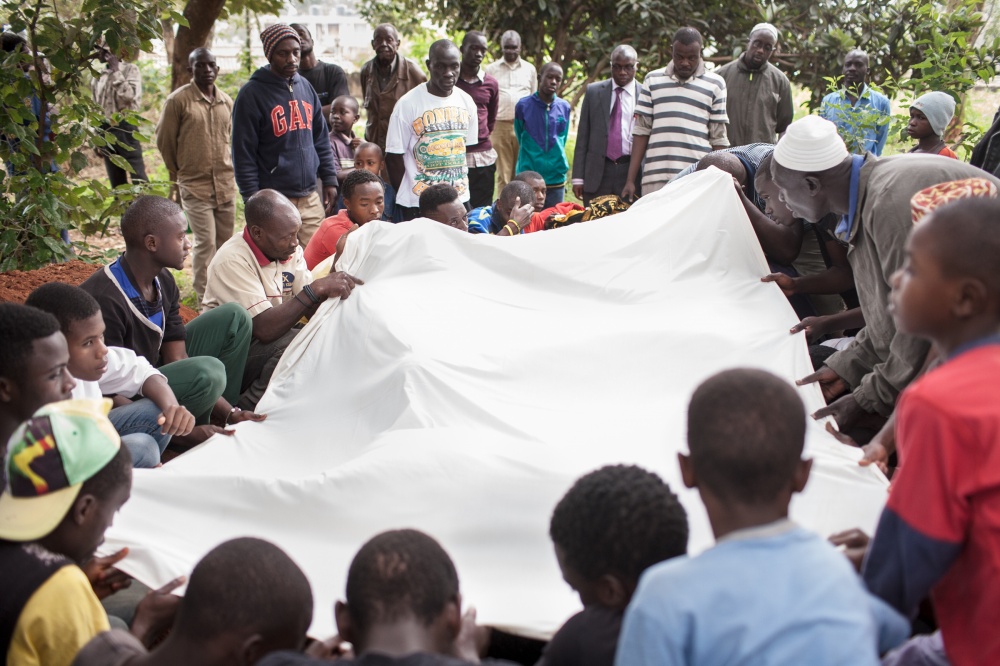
<point>890,263</point>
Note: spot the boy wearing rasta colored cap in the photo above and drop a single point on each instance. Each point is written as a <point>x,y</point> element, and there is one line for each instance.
<point>68,476</point>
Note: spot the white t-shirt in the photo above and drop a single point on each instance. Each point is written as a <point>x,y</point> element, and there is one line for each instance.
<point>431,134</point>
<point>126,374</point>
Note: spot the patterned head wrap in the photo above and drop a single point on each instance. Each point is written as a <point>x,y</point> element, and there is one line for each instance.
<point>931,198</point>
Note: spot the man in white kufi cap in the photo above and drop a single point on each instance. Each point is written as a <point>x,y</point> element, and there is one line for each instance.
<point>817,176</point>
<point>759,101</point>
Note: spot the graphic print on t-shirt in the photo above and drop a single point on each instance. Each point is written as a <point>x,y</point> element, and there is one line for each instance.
<point>440,149</point>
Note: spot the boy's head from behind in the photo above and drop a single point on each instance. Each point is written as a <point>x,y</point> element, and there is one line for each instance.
<point>33,361</point>
<point>948,289</point>
<point>244,599</point>
<point>612,525</point>
<point>746,432</point>
<point>67,477</point>
<point>156,226</point>
<point>440,203</point>
<point>368,156</point>
<point>402,579</point>
<point>81,322</point>
<point>363,195</point>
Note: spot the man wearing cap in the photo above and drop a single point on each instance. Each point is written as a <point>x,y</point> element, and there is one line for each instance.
<point>930,115</point>
<point>860,113</point>
<point>280,137</point>
<point>758,94</point>
<point>68,476</point>
<point>817,176</point>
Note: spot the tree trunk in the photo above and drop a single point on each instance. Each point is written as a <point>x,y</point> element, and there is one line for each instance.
<point>201,16</point>
<point>167,31</point>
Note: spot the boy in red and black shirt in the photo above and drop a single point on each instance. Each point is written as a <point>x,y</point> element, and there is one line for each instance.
<point>940,530</point>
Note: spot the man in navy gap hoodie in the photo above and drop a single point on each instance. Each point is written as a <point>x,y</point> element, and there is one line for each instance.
<point>280,138</point>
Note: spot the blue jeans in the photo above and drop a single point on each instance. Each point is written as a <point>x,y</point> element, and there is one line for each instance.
<point>554,195</point>
<point>140,433</point>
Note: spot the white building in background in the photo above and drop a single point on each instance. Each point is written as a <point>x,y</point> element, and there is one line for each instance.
<point>341,36</point>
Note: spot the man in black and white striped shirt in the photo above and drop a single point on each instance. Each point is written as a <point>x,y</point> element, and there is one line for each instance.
<point>679,117</point>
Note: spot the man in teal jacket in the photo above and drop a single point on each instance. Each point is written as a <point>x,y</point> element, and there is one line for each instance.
<point>541,122</point>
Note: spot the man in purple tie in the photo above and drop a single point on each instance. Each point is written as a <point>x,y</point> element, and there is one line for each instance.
<point>604,137</point>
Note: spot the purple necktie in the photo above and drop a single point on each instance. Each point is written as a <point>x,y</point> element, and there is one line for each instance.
<point>614,151</point>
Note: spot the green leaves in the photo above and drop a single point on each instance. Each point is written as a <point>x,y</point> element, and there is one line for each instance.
<point>52,118</point>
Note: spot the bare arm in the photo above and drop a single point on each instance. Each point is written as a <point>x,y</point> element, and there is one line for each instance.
<point>394,163</point>
<point>639,144</point>
<point>274,322</point>
<point>173,351</point>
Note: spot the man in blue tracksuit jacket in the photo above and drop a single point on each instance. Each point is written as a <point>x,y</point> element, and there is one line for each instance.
<point>541,123</point>
<point>280,138</point>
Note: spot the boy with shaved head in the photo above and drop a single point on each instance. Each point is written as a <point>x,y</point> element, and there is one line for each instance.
<point>246,598</point>
<point>204,360</point>
<point>939,533</point>
<point>768,591</point>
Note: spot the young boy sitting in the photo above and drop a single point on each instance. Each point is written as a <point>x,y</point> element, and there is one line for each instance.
<point>368,156</point>
<point>363,202</point>
<point>246,598</point>
<point>930,115</point>
<point>611,526</point>
<point>68,476</point>
<point>403,607</point>
<point>940,530</point>
<point>768,592</point>
<point>34,370</point>
<point>507,216</point>
<point>146,425</point>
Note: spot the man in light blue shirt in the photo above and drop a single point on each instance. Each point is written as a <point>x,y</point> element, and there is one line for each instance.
<point>769,592</point>
<point>861,114</point>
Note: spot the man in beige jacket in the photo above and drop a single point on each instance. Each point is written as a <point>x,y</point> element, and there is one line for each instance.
<point>193,137</point>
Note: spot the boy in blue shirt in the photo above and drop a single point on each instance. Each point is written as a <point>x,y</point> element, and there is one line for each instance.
<point>768,592</point>
<point>541,123</point>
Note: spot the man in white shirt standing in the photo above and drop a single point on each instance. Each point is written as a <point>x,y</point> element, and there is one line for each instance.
<point>604,136</point>
<point>429,130</point>
<point>517,79</point>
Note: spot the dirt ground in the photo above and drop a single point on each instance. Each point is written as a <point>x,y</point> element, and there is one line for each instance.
<point>16,285</point>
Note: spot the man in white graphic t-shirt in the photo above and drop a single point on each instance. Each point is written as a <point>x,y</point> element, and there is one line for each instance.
<point>429,129</point>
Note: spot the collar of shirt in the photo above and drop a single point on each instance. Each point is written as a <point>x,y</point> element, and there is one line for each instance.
<point>479,76</point>
<point>262,260</point>
<point>993,339</point>
<point>512,65</point>
<point>669,71</point>
<point>846,224</point>
<point>778,527</point>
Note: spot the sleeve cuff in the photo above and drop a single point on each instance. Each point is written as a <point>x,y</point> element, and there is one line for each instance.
<point>577,181</point>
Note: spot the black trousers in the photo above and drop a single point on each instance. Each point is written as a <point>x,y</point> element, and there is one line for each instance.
<point>482,181</point>
<point>613,180</point>
<point>127,148</point>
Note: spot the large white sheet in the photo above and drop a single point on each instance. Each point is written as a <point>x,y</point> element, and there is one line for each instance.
<point>465,386</point>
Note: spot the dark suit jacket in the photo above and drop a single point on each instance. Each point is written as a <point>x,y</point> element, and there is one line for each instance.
<point>592,133</point>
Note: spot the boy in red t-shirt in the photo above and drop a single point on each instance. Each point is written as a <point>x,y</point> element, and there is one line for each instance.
<point>364,200</point>
<point>940,530</point>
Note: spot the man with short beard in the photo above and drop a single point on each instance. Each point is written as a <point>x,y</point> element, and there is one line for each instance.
<point>758,94</point>
<point>328,80</point>
<point>517,79</point>
<point>280,136</point>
